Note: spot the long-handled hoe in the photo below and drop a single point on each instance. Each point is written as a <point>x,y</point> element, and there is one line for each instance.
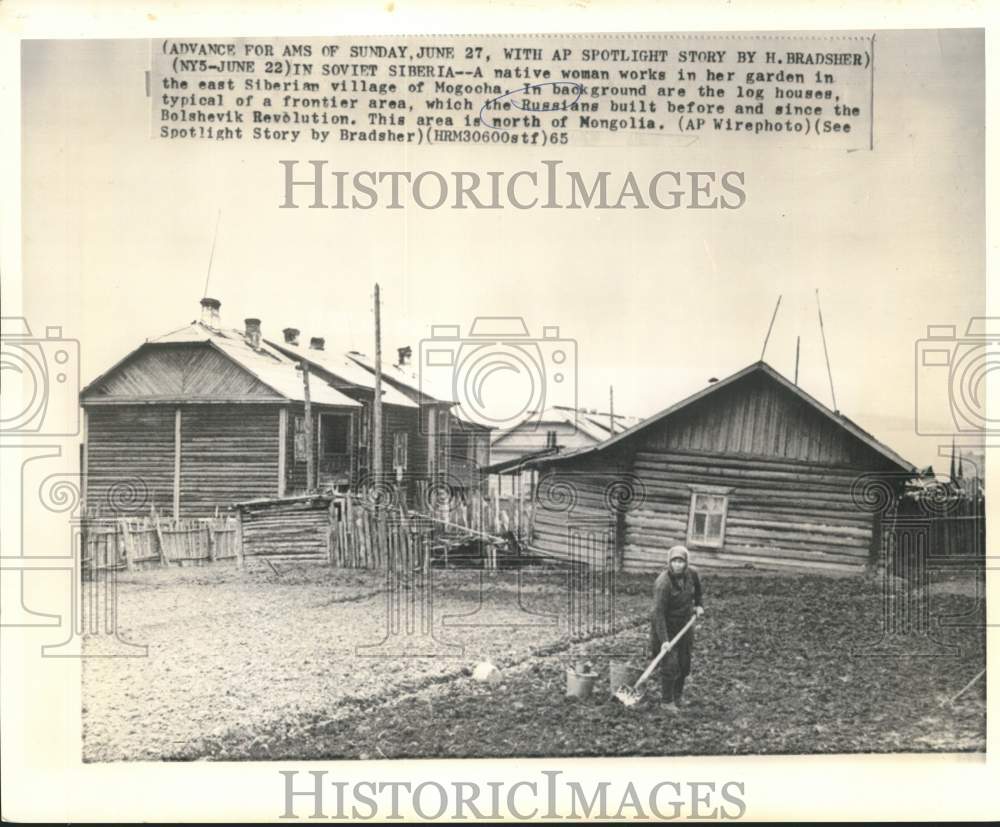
<point>630,695</point>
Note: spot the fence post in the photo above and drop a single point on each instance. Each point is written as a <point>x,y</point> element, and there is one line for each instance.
<point>210,529</point>
<point>127,539</point>
<point>239,538</point>
<point>329,531</point>
<point>161,546</point>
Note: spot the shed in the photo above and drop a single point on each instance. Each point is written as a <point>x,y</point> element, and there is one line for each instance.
<point>204,417</point>
<point>748,471</point>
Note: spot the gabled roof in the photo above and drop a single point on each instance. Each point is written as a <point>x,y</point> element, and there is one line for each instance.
<point>343,368</point>
<point>757,367</point>
<point>269,366</point>
<point>419,388</point>
<point>465,421</point>
<point>516,463</point>
<point>592,423</point>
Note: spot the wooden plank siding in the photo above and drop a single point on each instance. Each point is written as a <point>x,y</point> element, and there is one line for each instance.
<point>189,372</point>
<point>757,417</point>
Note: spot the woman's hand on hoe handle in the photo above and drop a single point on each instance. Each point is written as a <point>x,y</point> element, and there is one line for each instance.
<point>699,611</point>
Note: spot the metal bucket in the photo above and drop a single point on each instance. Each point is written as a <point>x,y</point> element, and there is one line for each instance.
<point>623,673</point>
<point>579,684</point>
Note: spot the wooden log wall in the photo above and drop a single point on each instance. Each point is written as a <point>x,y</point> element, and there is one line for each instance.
<point>130,459</point>
<point>229,453</point>
<point>295,529</point>
<point>781,515</point>
<point>572,503</point>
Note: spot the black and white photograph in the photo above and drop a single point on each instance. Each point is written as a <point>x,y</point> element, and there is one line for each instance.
<point>413,420</point>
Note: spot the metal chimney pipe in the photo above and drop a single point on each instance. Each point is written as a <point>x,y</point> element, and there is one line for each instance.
<point>291,335</point>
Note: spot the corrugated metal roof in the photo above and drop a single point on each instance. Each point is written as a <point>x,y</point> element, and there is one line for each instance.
<point>766,369</point>
<point>270,366</point>
<point>339,365</point>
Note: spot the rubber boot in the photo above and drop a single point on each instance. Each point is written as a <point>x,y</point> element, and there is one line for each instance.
<point>668,682</point>
<point>679,691</point>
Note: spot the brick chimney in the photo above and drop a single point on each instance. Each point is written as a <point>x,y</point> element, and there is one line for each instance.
<point>291,335</point>
<point>317,343</point>
<point>210,313</point>
<point>252,333</point>
<point>403,355</point>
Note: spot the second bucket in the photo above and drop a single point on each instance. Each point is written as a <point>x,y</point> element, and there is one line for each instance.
<point>579,684</point>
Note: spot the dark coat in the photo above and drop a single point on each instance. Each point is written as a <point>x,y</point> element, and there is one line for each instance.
<point>674,601</point>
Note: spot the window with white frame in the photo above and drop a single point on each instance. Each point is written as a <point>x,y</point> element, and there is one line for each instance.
<point>707,519</point>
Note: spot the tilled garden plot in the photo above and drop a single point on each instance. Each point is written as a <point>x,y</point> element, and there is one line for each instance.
<point>782,665</point>
<point>247,657</point>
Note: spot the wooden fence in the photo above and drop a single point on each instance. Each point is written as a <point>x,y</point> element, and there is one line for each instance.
<point>944,532</point>
<point>347,531</point>
<point>366,538</point>
<point>471,509</point>
<point>131,543</point>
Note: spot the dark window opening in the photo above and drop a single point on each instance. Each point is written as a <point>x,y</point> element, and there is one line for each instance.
<point>335,435</point>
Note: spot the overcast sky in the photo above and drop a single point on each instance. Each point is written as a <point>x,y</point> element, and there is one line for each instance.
<point>118,229</point>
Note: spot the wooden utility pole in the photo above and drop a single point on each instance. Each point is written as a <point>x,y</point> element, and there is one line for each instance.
<point>377,402</point>
<point>611,401</point>
<point>310,458</point>
<point>797,340</point>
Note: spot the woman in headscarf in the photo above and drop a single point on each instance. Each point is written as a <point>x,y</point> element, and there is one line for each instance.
<point>676,597</point>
